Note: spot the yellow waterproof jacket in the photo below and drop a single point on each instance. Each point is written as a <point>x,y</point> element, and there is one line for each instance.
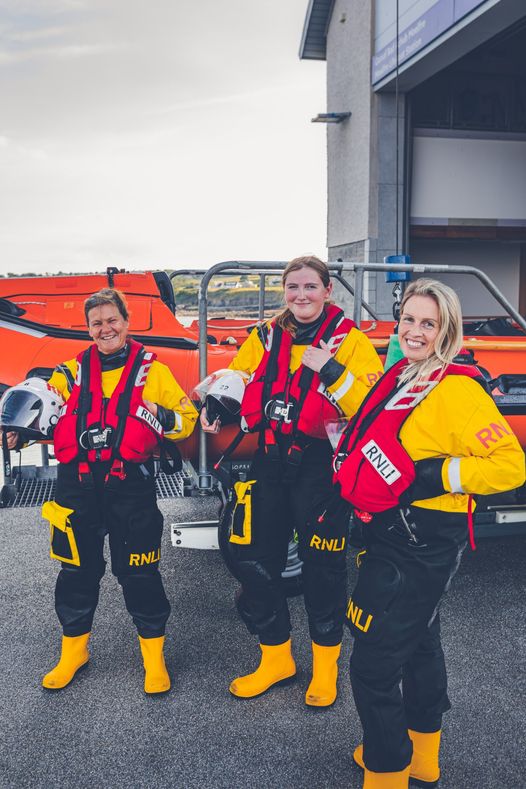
<point>460,422</point>
<point>362,366</point>
<point>160,388</point>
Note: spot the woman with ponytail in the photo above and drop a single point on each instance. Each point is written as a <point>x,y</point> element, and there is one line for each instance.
<point>306,366</point>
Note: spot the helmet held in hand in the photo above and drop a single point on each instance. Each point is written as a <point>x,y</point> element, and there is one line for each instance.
<point>221,394</point>
<point>31,408</point>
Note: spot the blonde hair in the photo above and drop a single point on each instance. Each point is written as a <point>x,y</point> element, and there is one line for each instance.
<point>449,338</point>
<point>285,318</point>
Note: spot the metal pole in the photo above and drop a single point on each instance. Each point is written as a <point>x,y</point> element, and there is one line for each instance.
<point>348,287</point>
<point>205,478</point>
<point>358,293</point>
<point>261,305</point>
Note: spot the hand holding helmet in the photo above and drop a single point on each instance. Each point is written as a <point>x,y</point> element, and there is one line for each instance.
<point>218,398</point>
<point>29,410</point>
<point>11,438</point>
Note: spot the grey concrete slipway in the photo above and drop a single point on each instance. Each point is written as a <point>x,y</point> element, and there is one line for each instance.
<point>103,731</point>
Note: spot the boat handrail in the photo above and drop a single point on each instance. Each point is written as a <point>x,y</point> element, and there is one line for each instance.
<point>339,270</point>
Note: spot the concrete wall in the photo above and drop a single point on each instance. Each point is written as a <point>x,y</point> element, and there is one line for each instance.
<point>468,178</point>
<point>499,260</point>
<point>349,89</point>
<point>362,178</point>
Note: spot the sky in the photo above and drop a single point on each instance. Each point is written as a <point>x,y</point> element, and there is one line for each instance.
<point>166,134</point>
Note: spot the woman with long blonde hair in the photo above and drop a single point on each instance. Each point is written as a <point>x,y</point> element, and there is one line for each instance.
<point>457,444</point>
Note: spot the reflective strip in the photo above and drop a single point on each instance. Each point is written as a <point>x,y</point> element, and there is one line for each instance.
<point>178,424</point>
<point>453,475</point>
<point>344,387</point>
<point>21,329</point>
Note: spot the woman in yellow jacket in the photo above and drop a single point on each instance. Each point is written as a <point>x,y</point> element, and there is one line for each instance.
<point>461,445</point>
<point>290,481</point>
<point>114,410</point>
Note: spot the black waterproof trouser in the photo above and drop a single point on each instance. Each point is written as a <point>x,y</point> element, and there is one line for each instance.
<point>126,510</point>
<point>284,501</point>
<point>398,672</point>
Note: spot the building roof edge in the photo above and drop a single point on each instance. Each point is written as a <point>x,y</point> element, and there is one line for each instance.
<point>313,44</point>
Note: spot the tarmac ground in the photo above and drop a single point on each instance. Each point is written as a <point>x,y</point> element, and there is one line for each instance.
<point>103,731</point>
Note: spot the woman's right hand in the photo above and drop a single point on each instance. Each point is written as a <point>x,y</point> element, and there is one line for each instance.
<point>215,427</point>
<point>12,438</point>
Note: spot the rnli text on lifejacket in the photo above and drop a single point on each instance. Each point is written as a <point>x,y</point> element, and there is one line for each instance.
<point>380,462</point>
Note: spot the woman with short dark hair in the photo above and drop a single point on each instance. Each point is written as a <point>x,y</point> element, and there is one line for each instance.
<point>121,404</point>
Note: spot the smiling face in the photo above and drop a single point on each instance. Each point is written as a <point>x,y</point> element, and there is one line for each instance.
<point>107,328</point>
<point>418,328</point>
<point>305,294</point>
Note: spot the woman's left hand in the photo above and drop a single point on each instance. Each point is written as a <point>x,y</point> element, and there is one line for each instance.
<point>152,407</point>
<point>315,358</point>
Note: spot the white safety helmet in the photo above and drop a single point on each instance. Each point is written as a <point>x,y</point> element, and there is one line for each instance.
<point>221,394</point>
<point>31,408</point>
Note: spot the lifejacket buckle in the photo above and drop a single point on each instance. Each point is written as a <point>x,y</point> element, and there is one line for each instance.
<point>272,451</point>
<point>279,411</point>
<point>96,437</point>
<point>117,470</point>
<point>85,475</point>
<point>294,455</point>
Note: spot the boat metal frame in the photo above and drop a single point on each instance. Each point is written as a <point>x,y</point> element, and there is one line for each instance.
<point>339,271</point>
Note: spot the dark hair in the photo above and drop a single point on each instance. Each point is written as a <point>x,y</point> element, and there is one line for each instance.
<point>285,319</point>
<point>106,296</point>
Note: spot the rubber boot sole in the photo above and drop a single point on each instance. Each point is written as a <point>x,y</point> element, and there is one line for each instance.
<point>282,682</point>
<point>77,672</point>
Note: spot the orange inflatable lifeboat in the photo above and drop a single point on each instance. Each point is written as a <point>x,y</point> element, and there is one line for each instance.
<point>42,324</point>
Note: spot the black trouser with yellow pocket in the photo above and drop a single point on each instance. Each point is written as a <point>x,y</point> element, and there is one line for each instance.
<point>271,507</point>
<point>393,617</point>
<point>80,517</point>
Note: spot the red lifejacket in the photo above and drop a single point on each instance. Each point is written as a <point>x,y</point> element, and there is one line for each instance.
<point>123,430</point>
<point>371,466</point>
<point>292,403</point>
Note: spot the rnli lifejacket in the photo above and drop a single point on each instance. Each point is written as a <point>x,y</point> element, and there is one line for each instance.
<point>371,467</point>
<point>296,404</point>
<point>123,430</point>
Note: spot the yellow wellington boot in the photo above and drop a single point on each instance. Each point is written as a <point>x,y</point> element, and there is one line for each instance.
<point>277,667</point>
<point>399,780</point>
<point>424,764</point>
<point>73,657</point>
<point>424,770</point>
<point>156,678</point>
<point>322,689</point>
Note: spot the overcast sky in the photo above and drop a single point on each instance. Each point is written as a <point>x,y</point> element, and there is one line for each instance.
<point>160,134</point>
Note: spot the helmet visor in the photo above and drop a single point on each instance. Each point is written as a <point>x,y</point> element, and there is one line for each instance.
<point>19,409</point>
